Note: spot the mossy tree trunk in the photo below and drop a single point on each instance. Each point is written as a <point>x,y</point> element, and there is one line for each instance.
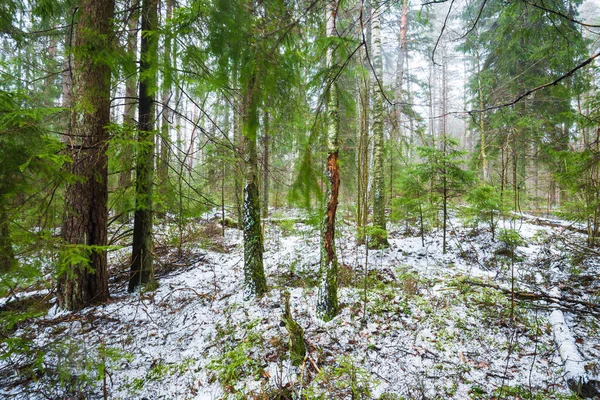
<point>255,283</point>
<point>379,238</point>
<point>142,270</point>
<point>84,231</point>
<point>296,343</point>
<point>327,302</point>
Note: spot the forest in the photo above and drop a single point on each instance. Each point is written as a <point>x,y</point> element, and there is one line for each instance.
<point>299,199</point>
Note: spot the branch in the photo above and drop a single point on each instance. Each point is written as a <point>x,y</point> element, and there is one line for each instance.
<point>531,91</point>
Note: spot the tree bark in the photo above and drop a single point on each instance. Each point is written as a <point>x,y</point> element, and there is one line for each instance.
<point>142,270</point>
<point>378,239</point>
<point>7,255</point>
<point>163,167</point>
<point>362,209</point>
<point>327,302</point>
<point>238,143</point>
<point>265,169</point>
<point>82,283</point>
<point>255,283</point>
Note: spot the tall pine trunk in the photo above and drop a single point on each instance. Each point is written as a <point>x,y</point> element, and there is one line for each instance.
<point>379,239</point>
<point>142,270</point>
<point>327,302</point>
<point>82,283</point>
<point>255,283</point>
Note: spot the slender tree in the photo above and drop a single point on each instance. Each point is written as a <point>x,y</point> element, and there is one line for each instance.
<point>265,169</point>
<point>83,279</point>
<point>142,270</point>
<point>379,238</point>
<point>254,273</point>
<point>129,110</point>
<point>163,166</point>
<point>327,302</point>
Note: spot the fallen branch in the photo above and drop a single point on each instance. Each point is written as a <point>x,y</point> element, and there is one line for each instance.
<point>575,375</point>
<point>565,302</point>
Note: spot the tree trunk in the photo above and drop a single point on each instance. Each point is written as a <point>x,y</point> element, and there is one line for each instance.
<point>265,170</point>
<point>163,167</point>
<point>327,302</point>
<point>129,117</point>
<point>7,255</point>
<point>142,270</point>
<point>255,283</point>
<point>362,209</point>
<point>238,143</point>
<point>482,154</point>
<point>379,239</point>
<point>82,283</point>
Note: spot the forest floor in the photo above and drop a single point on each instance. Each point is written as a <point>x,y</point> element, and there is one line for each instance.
<point>437,326</point>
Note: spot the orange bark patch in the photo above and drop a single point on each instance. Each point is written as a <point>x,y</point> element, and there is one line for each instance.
<point>333,172</point>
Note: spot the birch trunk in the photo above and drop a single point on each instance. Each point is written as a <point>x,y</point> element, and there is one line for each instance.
<point>327,302</point>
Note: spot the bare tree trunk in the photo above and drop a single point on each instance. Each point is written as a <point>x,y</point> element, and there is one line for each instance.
<point>163,167</point>
<point>84,230</point>
<point>239,164</point>
<point>142,269</point>
<point>378,240</point>
<point>265,169</point>
<point>362,209</point>
<point>327,302</point>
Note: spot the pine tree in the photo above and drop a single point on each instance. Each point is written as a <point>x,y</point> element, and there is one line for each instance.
<point>83,278</point>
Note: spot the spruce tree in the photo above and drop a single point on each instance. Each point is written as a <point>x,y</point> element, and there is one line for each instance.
<point>142,268</point>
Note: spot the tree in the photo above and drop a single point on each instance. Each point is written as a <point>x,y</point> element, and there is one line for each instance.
<point>379,240</point>
<point>142,269</point>
<point>327,303</point>
<point>520,46</point>
<point>442,170</point>
<point>83,279</point>
<point>126,149</point>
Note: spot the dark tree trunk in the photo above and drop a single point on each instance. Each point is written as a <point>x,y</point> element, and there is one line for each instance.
<point>7,255</point>
<point>142,271</point>
<point>81,284</point>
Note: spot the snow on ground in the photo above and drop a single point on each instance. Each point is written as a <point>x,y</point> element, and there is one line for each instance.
<point>437,325</point>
